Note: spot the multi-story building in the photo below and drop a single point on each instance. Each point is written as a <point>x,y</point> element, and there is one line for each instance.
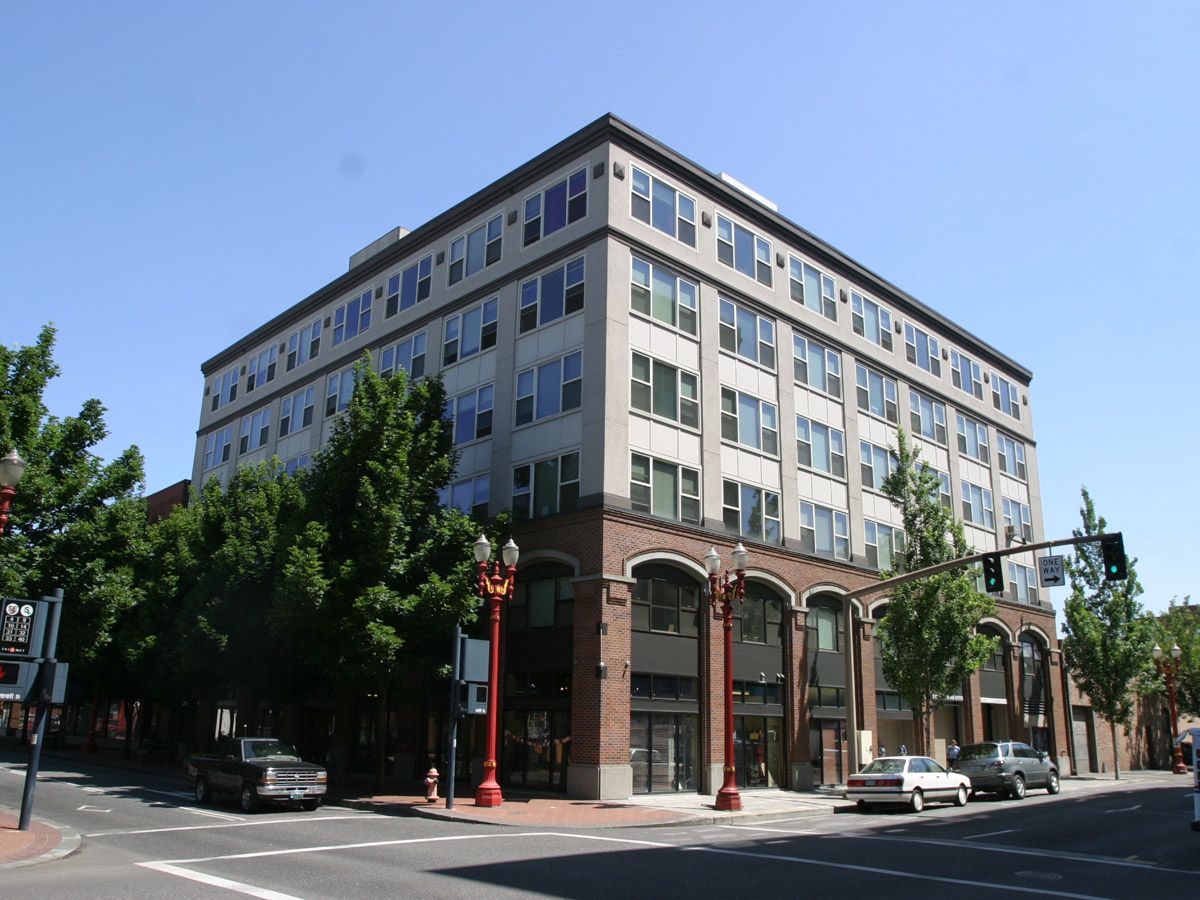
<point>645,360</point>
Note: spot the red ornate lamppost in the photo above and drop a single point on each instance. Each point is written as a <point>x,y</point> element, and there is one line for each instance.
<point>722,592</point>
<point>12,467</point>
<point>495,589</point>
<point>1170,668</point>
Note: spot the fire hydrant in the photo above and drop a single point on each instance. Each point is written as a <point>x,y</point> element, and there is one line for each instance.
<point>431,781</point>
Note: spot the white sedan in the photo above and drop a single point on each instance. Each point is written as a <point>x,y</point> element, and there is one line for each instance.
<point>914,780</point>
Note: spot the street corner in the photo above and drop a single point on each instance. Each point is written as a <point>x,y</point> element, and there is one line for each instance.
<point>41,842</point>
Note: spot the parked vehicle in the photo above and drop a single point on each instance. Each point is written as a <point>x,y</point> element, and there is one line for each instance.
<point>257,769</point>
<point>1007,767</point>
<point>914,780</point>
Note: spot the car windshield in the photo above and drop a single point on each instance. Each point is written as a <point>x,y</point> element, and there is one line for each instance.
<point>979,751</point>
<point>263,749</point>
<point>885,766</point>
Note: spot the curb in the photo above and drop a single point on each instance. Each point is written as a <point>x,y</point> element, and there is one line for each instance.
<point>69,841</point>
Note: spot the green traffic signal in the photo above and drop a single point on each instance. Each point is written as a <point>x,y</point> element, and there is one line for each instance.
<point>993,575</point>
<point>1112,550</point>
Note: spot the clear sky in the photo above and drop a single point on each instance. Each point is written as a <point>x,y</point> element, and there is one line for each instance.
<point>174,174</point>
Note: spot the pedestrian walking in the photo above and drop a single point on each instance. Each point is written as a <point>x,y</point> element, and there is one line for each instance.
<point>904,749</point>
<point>952,752</point>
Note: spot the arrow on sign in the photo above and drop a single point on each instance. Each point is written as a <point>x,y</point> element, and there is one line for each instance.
<point>1050,568</point>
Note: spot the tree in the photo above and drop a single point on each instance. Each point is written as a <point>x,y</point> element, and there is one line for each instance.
<point>77,523</point>
<point>1107,635</point>
<point>928,636</point>
<point>396,568</point>
<point>1180,625</point>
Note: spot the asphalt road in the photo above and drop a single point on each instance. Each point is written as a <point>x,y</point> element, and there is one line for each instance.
<point>1096,839</point>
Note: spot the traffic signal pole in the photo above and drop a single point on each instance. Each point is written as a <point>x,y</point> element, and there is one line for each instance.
<point>45,695</point>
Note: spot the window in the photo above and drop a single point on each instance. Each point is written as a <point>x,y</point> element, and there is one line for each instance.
<point>352,317</point>
<point>296,463</point>
<point>825,532</point>
<point>656,203</point>
<point>469,496</point>
<point>256,430</point>
<point>471,414</point>
<point>977,505</point>
<point>664,489</point>
<point>966,374</point>
<point>224,389</point>
<point>551,296</point>
<point>757,620</point>
<point>884,545</point>
<point>476,249</point>
<point>409,287</point>
<point>261,368</point>
<point>304,345</point>
<point>660,605</point>
<point>877,464</point>
<point>751,512</point>
<point>749,421</point>
<point>550,388</point>
<point>928,416</point>
<point>217,447</point>
<point>871,320</point>
<point>821,447</point>
<point>664,390</point>
<point>972,438</point>
<point>1011,456</point>
<point>543,598</point>
<point>812,287</point>
<point>922,349</point>
<point>817,366</point>
<point>408,355</point>
<point>657,292</point>
<point>546,487</point>
<point>891,700</point>
<point>560,205</point>
<point>1017,515</point>
<point>876,394</point>
<point>1024,583</point>
<point>825,626</point>
<point>296,411</point>
<point>943,488</point>
<point>1005,396</point>
<point>339,388</point>
<point>468,334</point>
<point>747,334</point>
<point>744,250</point>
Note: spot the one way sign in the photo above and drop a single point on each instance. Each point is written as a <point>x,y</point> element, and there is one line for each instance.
<point>1050,569</point>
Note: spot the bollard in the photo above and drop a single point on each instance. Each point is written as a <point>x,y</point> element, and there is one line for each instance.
<point>431,784</point>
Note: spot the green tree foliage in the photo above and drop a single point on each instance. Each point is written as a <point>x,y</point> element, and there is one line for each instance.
<point>1180,626</point>
<point>928,635</point>
<point>77,523</point>
<point>1107,635</point>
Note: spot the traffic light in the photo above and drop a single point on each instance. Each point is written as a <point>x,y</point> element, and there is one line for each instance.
<point>993,574</point>
<point>1112,548</point>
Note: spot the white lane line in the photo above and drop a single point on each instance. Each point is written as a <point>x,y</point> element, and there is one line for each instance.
<point>238,824</point>
<point>210,813</point>
<point>972,837</point>
<point>875,870</point>
<point>214,881</point>
<point>1123,809</point>
<point>764,828</point>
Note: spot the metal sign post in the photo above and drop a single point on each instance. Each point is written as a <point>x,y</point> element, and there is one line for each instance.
<point>45,698</point>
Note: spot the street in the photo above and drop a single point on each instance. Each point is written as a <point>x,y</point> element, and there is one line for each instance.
<point>149,839</point>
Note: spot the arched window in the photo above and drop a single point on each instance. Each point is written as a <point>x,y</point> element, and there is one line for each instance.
<point>758,618</point>
<point>665,600</point>
<point>543,598</point>
<point>825,625</point>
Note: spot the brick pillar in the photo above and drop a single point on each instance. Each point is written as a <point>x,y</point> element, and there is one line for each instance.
<point>1016,709</point>
<point>866,681</point>
<point>1058,708</point>
<point>600,690</point>
<point>972,710</point>
<point>798,751</point>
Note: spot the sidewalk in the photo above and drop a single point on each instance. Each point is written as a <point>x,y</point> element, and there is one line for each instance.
<point>41,843</point>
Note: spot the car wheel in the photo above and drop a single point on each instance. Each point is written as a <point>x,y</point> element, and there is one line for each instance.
<point>1017,789</point>
<point>311,804</point>
<point>1052,784</point>
<point>960,798</point>
<point>250,801</point>
<point>203,793</point>
<point>917,801</point>
<point>862,806</point>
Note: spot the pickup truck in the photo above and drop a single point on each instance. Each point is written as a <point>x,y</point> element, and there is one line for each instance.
<point>256,769</point>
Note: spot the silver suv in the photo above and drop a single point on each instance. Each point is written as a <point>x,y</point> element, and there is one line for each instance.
<point>1006,767</point>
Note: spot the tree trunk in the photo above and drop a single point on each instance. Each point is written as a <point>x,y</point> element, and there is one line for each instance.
<point>1112,727</point>
<point>89,744</point>
<point>381,740</point>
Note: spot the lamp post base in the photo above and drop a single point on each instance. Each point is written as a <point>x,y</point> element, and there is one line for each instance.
<point>728,799</point>
<point>488,794</point>
<point>1180,767</point>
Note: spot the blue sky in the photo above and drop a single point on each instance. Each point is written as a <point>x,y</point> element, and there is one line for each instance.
<point>174,174</point>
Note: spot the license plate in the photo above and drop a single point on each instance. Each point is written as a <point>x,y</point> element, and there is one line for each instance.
<point>870,782</point>
<point>296,795</point>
